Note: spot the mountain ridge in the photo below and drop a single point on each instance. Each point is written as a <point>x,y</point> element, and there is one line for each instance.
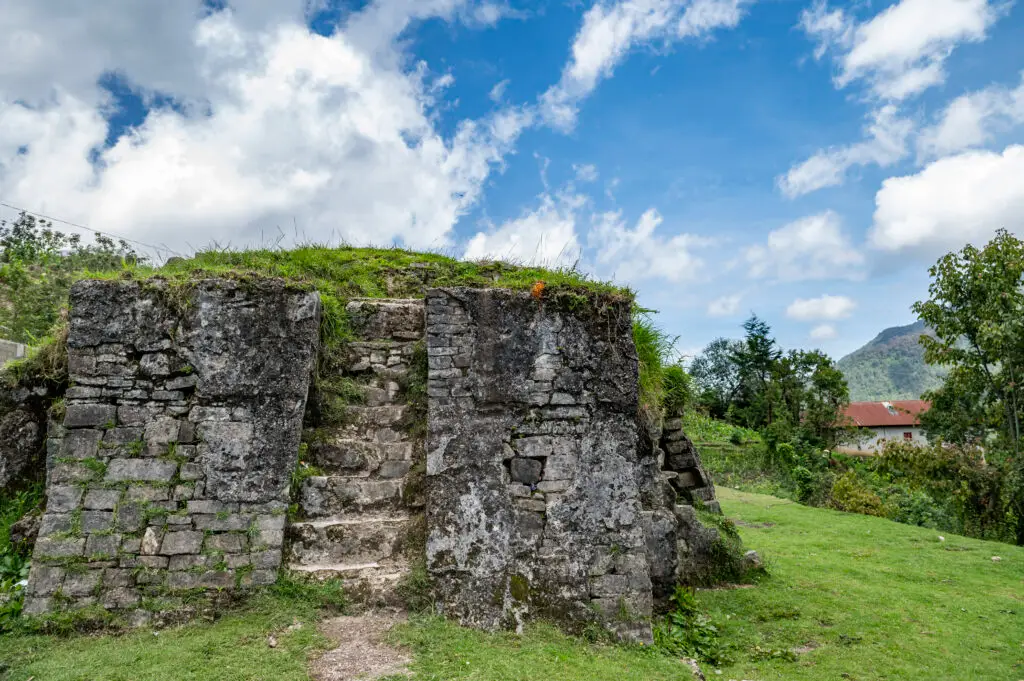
<point>891,366</point>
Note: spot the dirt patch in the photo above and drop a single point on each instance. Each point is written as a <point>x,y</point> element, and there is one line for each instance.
<point>759,526</point>
<point>361,653</point>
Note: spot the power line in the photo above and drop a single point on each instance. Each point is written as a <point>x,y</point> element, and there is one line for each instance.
<point>89,229</point>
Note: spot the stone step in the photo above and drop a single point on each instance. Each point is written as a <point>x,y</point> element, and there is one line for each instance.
<point>387,318</point>
<point>335,495</point>
<point>375,424</point>
<point>358,458</point>
<point>387,360</point>
<point>373,584</point>
<point>348,540</point>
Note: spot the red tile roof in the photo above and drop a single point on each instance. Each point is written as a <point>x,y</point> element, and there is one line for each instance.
<point>878,414</point>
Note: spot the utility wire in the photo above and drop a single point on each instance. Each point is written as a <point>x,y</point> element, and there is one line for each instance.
<point>89,229</point>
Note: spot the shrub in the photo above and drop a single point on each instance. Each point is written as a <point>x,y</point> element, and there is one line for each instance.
<point>850,494</point>
<point>805,486</point>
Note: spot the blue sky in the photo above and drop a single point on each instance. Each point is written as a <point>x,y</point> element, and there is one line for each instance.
<point>802,160</point>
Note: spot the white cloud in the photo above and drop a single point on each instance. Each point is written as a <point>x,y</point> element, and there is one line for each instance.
<point>823,307</point>
<point>824,332</point>
<point>497,92</point>
<point>726,306</point>
<point>886,144</point>
<point>636,254</point>
<point>545,236</point>
<point>901,51</point>
<point>954,200</point>
<point>973,119</point>
<point>814,247</point>
<point>611,29</point>
<point>586,172</point>
<point>334,135</point>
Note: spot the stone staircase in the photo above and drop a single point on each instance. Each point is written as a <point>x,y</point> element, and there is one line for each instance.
<point>361,518</point>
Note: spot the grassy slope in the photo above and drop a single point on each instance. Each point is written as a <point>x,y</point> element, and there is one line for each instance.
<point>874,599</point>
<point>879,600</point>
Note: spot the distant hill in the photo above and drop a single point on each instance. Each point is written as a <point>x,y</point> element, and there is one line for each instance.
<point>891,367</point>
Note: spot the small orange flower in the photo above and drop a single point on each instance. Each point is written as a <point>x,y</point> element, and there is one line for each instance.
<point>537,290</point>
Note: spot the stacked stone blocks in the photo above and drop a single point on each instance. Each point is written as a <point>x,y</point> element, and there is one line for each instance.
<point>180,434</point>
<point>358,515</point>
<point>533,509</point>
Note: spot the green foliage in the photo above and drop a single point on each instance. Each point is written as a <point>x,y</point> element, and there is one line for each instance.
<point>653,347</point>
<point>976,308</point>
<point>686,631</point>
<point>37,267</point>
<point>14,558</point>
<point>785,395</point>
<point>850,494</point>
<point>416,589</point>
<point>678,387</point>
<point>703,429</point>
<point>891,367</point>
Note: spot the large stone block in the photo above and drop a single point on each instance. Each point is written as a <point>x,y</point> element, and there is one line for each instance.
<point>497,556</point>
<point>198,403</point>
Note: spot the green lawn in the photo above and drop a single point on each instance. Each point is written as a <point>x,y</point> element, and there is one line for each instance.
<point>862,599</point>
<point>873,598</point>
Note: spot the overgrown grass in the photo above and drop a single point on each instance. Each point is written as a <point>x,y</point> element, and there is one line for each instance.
<point>703,429</point>
<point>867,599</point>
<point>446,651</point>
<point>233,648</point>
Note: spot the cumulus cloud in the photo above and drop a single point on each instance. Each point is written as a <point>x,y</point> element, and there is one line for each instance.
<point>611,29</point>
<point>636,254</point>
<point>822,308</point>
<point>897,54</point>
<point>543,236</point>
<point>957,199</point>
<point>814,247</point>
<point>726,306</point>
<point>973,119</point>
<point>279,126</point>
<point>885,144</point>
<point>901,51</point>
<point>824,332</point>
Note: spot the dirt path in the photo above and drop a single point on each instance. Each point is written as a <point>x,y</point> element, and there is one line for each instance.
<point>361,653</point>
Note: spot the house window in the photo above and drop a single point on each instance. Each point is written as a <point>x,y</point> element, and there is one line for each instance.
<point>908,436</point>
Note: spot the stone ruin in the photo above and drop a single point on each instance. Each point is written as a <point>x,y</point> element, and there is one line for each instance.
<point>523,480</point>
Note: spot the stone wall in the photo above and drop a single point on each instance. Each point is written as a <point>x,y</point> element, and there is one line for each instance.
<point>181,431</point>
<point>533,504</point>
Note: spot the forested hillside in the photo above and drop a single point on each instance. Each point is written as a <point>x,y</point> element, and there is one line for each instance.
<point>891,367</point>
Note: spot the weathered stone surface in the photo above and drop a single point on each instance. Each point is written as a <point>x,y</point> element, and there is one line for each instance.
<point>147,470</point>
<point>173,404</point>
<point>495,559</point>
<point>176,543</point>
<point>23,429</point>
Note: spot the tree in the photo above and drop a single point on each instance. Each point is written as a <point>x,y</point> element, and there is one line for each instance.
<point>38,264</point>
<point>976,308</point>
<point>716,377</point>
<point>756,358</point>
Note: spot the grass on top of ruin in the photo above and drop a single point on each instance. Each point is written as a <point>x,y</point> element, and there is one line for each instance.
<point>848,597</point>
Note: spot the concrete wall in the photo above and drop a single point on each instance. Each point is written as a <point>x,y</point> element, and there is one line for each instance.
<point>10,350</point>
<point>180,435</point>
<point>874,439</point>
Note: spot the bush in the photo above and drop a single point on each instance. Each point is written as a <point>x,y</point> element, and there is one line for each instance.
<point>736,437</point>
<point>850,494</point>
<point>805,483</point>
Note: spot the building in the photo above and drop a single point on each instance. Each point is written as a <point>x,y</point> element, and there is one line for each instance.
<point>10,350</point>
<point>881,421</point>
